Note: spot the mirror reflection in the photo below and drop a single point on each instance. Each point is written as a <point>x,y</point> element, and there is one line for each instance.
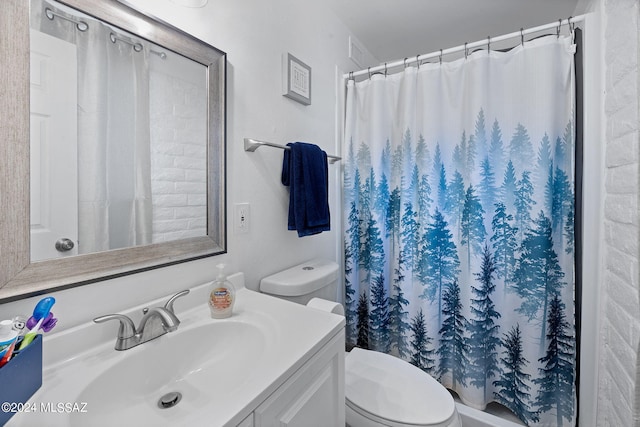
<point>118,138</point>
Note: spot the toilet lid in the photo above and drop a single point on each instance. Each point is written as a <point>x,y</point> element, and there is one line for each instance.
<point>392,389</point>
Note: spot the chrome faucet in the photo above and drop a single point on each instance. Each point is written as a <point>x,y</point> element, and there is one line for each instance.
<point>156,321</point>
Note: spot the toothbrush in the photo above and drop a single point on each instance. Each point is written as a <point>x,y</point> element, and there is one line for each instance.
<point>40,312</point>
<point>48,323</point>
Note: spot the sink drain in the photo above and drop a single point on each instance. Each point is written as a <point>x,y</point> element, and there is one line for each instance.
<point>169,400</point>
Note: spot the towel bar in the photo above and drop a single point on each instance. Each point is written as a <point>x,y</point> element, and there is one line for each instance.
<point>253,144</point>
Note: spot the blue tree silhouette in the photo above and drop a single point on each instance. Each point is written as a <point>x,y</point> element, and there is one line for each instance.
<point>453,345</point>
<point>538,276</point>
<point>414,184</point>
<point>509,187</point>
<point>422,153</point>
<point>549,190</point>
<point>410,236</point>
<point>569,227</point>
<point>363,321</point>
<point>480,132</point>
<point>351,259</point>
<point>523,203</point>
<point>349,293</point>
<point>460,155</point>
<point>442,189</point>
<point>455,200</point>
<point>487,187</point>
<point>382,199</point>
<point>556,379</point>
<point>562,198</point>
<point>513,387</point>
<point>520,149</point>
<point>472,224</point>
<point>379,316</point>
<point>424,200</point>
<point>392,224</point>
<point>504,243</point>
<point>437,166</point>
<point>439,260</point>
<point>398,325</point>
<point>483,341</point>
<point>472,151</point>
<point>544,161</point>
<point>496,149</point>
<point>372,252</point>
<point>421,354</point>
<point>457,159</point>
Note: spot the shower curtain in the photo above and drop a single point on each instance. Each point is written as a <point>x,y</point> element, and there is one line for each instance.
<point>114,156</point>
<point>458,219</point>
<point>114,161</point>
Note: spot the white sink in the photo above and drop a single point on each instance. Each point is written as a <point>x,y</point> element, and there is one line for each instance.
<point>223,369</point>
<point>201,364</point>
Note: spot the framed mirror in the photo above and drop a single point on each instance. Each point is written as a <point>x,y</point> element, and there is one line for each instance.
<point>113,145</point>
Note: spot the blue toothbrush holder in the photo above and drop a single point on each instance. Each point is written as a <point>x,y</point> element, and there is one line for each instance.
<point>20,378</point>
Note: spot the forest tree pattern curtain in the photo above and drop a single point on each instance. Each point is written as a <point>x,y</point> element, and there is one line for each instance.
<point>459,224</point>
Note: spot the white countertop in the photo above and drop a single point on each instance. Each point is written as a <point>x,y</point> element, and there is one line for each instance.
<point>73,359</point>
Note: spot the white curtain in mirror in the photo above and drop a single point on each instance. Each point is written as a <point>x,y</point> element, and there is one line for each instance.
<point>114,191</point>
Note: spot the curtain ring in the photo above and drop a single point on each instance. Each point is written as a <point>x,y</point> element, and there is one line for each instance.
<point>418,61</point>
<point>522,36</point>
<point>558,28</point>
<point>572,25</point>
<point>440,56</point>
<point>385,69</point>
<point>369,71</point>
<point>351,75</point>
<point>405,62</point>
<point>488,44</point>
<point>466,52</point>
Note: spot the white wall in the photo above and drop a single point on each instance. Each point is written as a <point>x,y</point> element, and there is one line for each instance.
<point>254,34</point>
<point>620,332</point>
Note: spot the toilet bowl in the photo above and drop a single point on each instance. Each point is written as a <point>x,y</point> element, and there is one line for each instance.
<point>380,390</point>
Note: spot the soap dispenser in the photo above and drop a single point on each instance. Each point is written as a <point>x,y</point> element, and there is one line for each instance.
<point>222,297</point>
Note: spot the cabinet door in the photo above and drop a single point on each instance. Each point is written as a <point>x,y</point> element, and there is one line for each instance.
<point>313,396</point>
<point>247,422</point>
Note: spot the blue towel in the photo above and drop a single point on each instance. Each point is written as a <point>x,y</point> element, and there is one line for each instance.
<point>305,171</point>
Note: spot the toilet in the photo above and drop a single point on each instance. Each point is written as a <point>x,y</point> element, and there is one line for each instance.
<point>380,389</point>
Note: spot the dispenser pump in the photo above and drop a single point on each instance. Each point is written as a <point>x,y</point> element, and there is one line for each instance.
<point>222,297</point>
<point>221,276</point>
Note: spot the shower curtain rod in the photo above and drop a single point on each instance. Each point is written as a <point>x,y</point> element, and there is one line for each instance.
<point>418,58</point>
<point>83,26</point>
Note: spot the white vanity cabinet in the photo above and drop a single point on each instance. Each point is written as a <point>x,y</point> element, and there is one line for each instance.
<point>313,396</point>
<point>273,363</point>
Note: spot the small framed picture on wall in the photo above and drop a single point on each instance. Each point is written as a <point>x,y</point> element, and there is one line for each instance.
<point>296,78</point>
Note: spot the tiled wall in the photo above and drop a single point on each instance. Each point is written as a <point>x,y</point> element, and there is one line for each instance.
<point>621,318</point>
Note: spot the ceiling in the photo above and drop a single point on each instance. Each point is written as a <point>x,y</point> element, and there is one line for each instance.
<point>396,29</point>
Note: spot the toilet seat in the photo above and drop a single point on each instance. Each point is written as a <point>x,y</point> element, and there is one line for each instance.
<point>392,392</point>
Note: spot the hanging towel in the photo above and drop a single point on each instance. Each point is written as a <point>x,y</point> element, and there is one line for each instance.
<point>305,172</point>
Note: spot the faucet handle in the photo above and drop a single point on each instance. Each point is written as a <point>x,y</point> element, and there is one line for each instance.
<point>127,328</point>
<point>169,304</point>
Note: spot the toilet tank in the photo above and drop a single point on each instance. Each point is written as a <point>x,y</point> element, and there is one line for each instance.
<point>311,279</point>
